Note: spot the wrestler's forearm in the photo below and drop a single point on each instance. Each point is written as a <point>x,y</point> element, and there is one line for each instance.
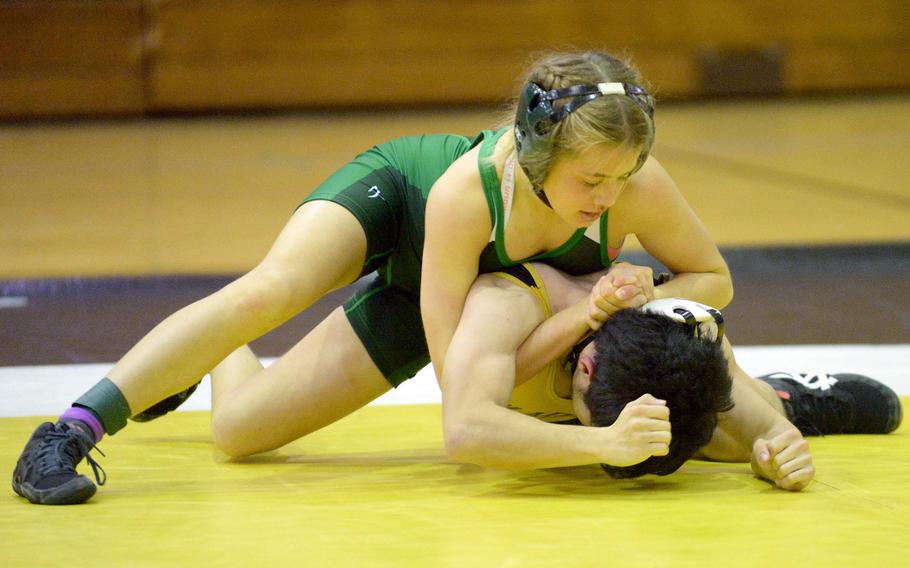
<point>552,339</point>
<point>493,436</point>
<point>712,288</point>
<point>752,418</point>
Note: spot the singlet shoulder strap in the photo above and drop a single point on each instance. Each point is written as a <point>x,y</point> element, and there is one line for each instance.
<point>507,194</point>
<point>597,232</point>
<point>526,276</point>
<point>489,178</point>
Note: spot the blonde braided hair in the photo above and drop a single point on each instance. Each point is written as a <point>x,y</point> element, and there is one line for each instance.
<point>607,119</point>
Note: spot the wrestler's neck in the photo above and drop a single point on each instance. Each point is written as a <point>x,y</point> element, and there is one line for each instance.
<point>520,181</point>
<point>562,383</point>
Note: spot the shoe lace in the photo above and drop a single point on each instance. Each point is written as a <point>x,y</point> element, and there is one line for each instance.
<point>64,448</point>
<point>816,381</point>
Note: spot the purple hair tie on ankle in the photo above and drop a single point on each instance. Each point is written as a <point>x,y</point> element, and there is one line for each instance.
<point>83,415</point>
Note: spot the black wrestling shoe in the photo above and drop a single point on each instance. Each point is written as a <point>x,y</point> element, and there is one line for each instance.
<point>46,471</point>
<point>842,403</point>
<point>167,405</point>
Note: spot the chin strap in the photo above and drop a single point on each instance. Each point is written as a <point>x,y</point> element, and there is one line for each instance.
<point>542,196</point>
<point>538,191</point>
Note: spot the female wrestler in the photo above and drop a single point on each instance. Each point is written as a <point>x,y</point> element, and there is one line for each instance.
<point>563,185</point>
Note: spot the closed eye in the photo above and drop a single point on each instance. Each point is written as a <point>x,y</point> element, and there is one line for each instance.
<point>594,183</point>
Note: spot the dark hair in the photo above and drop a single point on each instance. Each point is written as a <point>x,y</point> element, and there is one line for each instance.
<point>638,353</point>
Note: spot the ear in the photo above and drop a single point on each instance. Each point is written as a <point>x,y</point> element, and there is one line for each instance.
<point>582,379</point>
<point>586,368</point>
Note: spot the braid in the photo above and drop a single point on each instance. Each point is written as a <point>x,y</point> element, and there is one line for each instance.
<point>548,77</point>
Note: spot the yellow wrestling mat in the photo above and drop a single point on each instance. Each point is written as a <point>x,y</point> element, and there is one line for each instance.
<point>377,489</point>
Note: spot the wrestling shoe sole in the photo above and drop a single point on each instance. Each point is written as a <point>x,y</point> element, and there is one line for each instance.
<point>75,491</point>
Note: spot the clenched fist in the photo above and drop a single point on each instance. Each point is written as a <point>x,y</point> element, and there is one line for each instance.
<point>785,460</point>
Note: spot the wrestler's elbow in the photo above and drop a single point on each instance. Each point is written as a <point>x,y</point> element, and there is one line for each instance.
<point>465,436</point>
<point>457,440</point>
<point>460,435</point>
<point>726,292</point>
<point>724,289</point>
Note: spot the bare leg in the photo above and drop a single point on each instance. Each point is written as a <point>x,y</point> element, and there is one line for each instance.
<point>323,378</point>
<point>321,248</point>
<point>233,372</point>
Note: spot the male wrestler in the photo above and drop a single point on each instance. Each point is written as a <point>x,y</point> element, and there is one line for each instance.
<point>661,391</point>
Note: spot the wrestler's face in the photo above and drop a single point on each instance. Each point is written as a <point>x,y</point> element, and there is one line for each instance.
<point>580,187</point>
<point>581,380</point>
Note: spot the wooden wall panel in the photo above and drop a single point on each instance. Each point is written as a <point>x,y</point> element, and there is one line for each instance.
<point>130,56</point>
<point>349,52</point>
<point>791,23</point>
<point>367,52</point>
<point>847,68</point>
<point>71,57</point>
<point>353,52</point>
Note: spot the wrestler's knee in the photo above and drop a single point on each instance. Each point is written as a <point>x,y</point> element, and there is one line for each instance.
<point>263,294</point>
<point>230,435</point>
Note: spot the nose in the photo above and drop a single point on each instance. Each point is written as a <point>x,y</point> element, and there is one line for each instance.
<point>606,194</point>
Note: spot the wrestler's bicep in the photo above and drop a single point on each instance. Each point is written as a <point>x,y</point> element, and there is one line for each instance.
<point>481,362</point>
